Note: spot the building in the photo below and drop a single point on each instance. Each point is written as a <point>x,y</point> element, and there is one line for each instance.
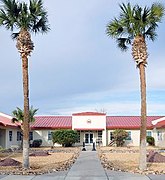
<point>10,133</point>
<point>91,127</point>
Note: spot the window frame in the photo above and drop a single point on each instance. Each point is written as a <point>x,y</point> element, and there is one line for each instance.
<point>31,136</point>
<point>10,136</point>
<point>129,138</point>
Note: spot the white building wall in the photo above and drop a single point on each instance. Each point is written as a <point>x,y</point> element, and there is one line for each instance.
<point>87,122</point>
<point>90,123</point>
<point>42,134</point>
<point>14,141</point>
<point>159,136</point>
<point>135,137</point>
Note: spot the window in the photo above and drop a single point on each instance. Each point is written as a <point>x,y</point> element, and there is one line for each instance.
<point>111,136</point>
<point>19,136</point>
<point>159,134</point>
<point>10,135</point>
<point>49,135</point>
<point>129,135</point>
<point>78,132</point>
<point>30,136</point>
<point>100,135</point>
<point>149,133</point>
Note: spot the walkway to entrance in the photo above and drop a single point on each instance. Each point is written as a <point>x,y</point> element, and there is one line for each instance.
<point>87,167</point>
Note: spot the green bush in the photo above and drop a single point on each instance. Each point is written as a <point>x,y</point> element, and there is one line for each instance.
<point>37,143</point>
<point>150,140</point>
<point>120,136</point>
<point>65,137</point>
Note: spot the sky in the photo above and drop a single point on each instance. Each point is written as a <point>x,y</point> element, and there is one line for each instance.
<point>75,67</point>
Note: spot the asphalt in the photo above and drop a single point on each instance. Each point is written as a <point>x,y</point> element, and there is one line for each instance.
<point>86,167</point>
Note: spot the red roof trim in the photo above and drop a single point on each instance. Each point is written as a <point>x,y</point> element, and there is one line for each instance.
<point>89,129</point>
<point>127,127</point>
<point>54,128</point>
<point>89,114</point>
<point>9,126</point>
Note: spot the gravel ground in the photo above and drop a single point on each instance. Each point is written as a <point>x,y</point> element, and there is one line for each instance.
<point>127,159</point>
<point>41,161</point>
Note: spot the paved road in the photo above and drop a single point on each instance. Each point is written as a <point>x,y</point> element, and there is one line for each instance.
<point>87,167</point>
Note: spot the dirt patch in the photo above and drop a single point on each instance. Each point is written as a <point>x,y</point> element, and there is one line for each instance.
<point>39,153</point>
<point>59,160</point>
<point>9,162</point>
<point>155,157</point>
<point>124,159</point>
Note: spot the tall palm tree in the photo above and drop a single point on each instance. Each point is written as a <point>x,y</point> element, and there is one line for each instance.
<point>25,18</point>
<point>133,26</point>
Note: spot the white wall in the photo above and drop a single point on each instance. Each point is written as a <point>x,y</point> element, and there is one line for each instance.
<point>159,140</point>
<point>87,122</point>
<point>135,137</point>
<point>42,134</point>
<point>90,122</point>
<point>14,138</point>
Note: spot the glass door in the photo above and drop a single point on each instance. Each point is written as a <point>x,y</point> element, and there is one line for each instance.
<point>88,138</point>
<point>91,138</point>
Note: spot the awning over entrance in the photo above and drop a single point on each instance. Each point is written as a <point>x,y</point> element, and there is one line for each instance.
<point>89,129</point>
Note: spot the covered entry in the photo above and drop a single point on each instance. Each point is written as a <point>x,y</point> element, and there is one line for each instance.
<point>89,137</point>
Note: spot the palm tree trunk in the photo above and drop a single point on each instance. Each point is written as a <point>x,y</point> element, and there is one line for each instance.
<point>142,158</point>
<point>26,112</point>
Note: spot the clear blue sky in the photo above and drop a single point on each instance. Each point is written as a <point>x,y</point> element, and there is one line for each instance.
<point>76,67</point>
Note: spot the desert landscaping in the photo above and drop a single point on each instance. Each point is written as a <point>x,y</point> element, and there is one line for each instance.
<point>42,160</point>
<point>127,158</point>
<point>47,160</point>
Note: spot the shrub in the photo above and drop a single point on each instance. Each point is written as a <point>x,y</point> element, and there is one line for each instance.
<point>119,136</point>
<point>65,137</point>
<point>150,140</point>
<point>37,143</point>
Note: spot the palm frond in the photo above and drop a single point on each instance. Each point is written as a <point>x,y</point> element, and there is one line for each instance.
<point>20,15</point>
<point>14,35</point>
<point>18,114</point>
<point>39,17</point>
<point>114,28</point>
<point>123,43</point>
<point>9,13</point>
<point>150,33</point>
<point>157,12</point>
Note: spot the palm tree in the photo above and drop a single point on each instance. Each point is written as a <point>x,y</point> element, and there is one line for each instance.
<point>19,117</point>
<point>25,18</point>
<point>134,25</point>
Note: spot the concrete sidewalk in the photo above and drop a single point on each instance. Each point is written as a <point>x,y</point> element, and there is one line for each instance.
<point>87,167</point>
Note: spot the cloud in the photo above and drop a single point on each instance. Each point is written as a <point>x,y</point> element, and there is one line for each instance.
<point>76,67</point>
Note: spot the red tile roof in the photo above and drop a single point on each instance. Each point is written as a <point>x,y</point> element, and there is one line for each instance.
<point>128,122</point>
<point>89,114</point>
<point>6,121</point>
<point>160,124</point>
<point>52,122</point>
<point>112,122</point>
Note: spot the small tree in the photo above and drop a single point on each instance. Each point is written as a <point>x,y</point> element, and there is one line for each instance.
<point>65,137</point>
<point>119,136</point>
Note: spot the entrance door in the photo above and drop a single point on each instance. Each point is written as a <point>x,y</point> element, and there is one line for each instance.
<point>88,138</point>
